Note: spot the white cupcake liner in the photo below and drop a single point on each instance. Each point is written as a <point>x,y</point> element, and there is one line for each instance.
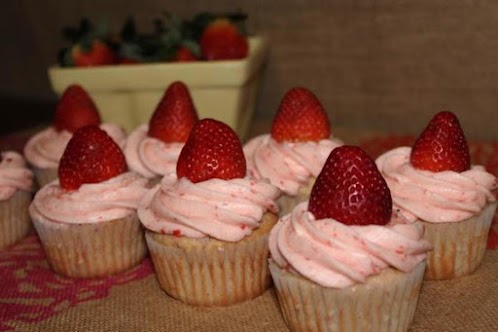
<point>385,303</point>
<point>92,250</point>
<point>458,247</point>
<point>209,272</point>
<point>15,222</point>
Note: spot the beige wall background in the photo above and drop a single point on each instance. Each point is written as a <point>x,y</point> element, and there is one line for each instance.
<point>381,65</point>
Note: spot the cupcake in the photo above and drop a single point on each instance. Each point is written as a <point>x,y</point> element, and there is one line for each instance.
<point>152,150</point>
<point>207,225</point>
<point>435,185</point>
<point>293,154</point>
<point>87,220</point>
<point>342,261</point>
<point>16,187</point>
<point>74,110</point>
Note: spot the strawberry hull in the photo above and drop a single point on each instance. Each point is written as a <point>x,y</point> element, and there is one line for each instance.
<point>128,95</point>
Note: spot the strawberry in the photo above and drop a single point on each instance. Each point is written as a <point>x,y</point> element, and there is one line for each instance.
<point>351,190</point>
<point>75,109</point>
<point>300,118</point>
<point>441,146</point>
<point>175,115</point>
<point>91,156</point>
<point>213,150</point>
<point>97,53</point>
<point>184,54</point>
<point>221,40</point>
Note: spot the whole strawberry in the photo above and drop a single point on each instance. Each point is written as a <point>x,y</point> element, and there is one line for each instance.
<point>175,115</point>
<point>95,53</point>
<point>221,40</point>
<point>213,150</point>
<point>351,190</point>
<point>300,118</point>
<point>91,156</point>
<point>75,109</point>
<point>442,146</point>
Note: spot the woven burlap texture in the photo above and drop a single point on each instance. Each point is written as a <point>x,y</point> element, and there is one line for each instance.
<point>465,304</point>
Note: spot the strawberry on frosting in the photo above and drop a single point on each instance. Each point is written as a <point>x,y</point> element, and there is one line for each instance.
<point>152,149</point>
<point>94,184</point>
<point>298,145</point>
<point>434,180</point>
<point>345,232</point>
<point>75,109</point>
<point>210,194</point>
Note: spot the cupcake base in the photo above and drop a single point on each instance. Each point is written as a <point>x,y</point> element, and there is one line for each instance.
<point>210,272</point>
<point>15,222</point>
<point>286,202</point>
<point>92,250</point>
<point>384,303</point>
<point>458,247</point>
<point>44,176</point>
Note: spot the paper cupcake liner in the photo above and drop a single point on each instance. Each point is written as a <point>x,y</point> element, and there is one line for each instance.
<point>386,302</point>
<point>44,176</point>
<point>15,222</point>
<point>92,250</point>
<point>209,272</point>
<point>287,203</point>
<point>458,247</point>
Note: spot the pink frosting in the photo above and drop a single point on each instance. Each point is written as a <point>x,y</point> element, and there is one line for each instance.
<point>14,175</point>
<point>332,254</point>
<point>435,196</point>
<point>112,199</point>
<point>148,156</point>
<point>227,210</point>
<point>288,166</point>
<point>45,149</point>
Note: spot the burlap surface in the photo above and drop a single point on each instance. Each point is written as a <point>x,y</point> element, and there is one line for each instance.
<point>465,304</point>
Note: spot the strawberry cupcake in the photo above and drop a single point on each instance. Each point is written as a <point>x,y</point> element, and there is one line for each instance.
<point>74,110</point>
<point>152,150</point>
<point>435,185</point>
<point>207,225</point>
<point>293,154</point>
<point>342,261</point>
<point>87,221</point>
<point>16,191</point>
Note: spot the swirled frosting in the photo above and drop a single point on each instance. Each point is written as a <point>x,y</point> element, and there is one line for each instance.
<point>336,255</point>
<point>226,210</point>
<point>288,166</point>
<point>112,199</point>
<point>45,149</point>
<point>14,175</point>
<point>149,156</point>
<point>435,196</point>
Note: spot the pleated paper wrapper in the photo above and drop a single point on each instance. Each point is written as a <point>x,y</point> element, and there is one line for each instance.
<point>384,303</point>
<point>458,247</point>
<point>44,176</point>
<point>210,272</point>
<point>15,222</point>
<point>94,249</point>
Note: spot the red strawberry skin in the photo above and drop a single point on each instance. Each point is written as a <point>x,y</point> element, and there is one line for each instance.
<point>91,156</point>
<point>351,190</point>
<point>213,150</point>
<point>300,118</point>
<point>75,109</point>
<point>221,40</point>
<point>442,146</point>
<point>98,54</point>
<point>175,115</point>
<point>184,55</point>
